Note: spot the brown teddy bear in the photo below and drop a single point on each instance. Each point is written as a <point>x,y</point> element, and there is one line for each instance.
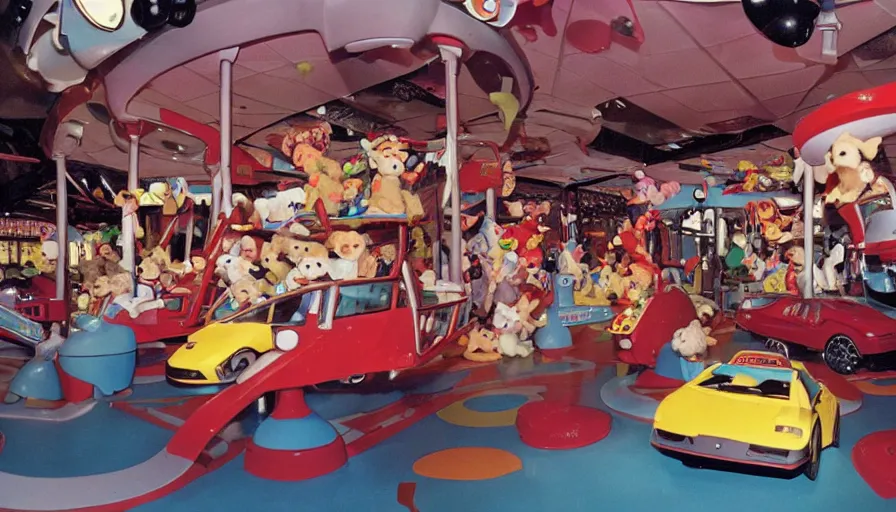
<point>99,290</point>
<point>851,174</point>
<point>297,250</point>
<point>276,268</point>
<point>350,246</point>
<point>324,178</point>
<point>387,155</point>
<point>246,291</point>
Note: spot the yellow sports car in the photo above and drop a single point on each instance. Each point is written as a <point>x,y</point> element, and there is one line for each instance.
<point>220,351</point>
<point>758,409</point>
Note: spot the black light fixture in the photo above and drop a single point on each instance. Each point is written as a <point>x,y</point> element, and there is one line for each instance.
<point>784,22</point>
<point>152,15</point>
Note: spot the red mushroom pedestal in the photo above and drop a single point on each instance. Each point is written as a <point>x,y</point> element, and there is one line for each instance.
<point>294,443</point>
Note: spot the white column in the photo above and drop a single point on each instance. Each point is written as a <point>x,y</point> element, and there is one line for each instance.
<point>216,201</point>
<point>491,202</point>
<point>128,230</point>
<point>61,227</point>
<point>809,233</point>
<point>451,56</point>
<point>227,57</point>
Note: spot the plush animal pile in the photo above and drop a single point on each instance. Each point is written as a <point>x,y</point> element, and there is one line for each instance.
<point>379,180</point>
<point>254,270</point>
<point>505,278</point>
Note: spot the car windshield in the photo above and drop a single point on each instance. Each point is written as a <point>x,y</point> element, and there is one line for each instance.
<point>880,281</point>
<point>294,310</point>
<point>767,382</point>
<point>251,315</point>
<point>768,388</point>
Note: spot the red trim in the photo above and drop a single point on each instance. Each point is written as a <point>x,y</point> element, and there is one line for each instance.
<point>855,106</point>
<point>290,405</point>
<point>294,465</point>
<point>446,40</point>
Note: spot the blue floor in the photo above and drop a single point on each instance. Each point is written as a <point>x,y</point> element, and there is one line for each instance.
<point>101,441</point>
<point>622,472</point>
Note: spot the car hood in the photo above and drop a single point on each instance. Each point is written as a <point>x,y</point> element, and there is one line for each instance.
<point>213,344</point>
<point>693,411</point>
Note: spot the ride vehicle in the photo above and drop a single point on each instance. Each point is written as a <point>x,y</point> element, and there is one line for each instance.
<point>330,312</point>
<point>186,308</point>
<point>759,409</point>
<point>851,332</point>
<point>668,310</point>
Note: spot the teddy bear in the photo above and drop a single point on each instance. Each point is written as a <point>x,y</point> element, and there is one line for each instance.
<point>690,344</point>
<point>246,292</point>
<point>692,341</point>
<point>387,155</point>
<point>308,270</point>
<point>525,307</point>
<point>271,262</point>
<point>850,173</point>
<point>122,287</point>
<point>198,265</point>
<point>324,178</point>
<point>508,325</point>
<point>283,206</point>
<point>386,259</point>
<point>480,346</point>
<point>99,290</point>
<point>297,250</point>
<point>350,246</point>
<point>233,268</point>
<point>107,252</point>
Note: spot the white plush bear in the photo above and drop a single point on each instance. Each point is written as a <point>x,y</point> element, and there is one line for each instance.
<point>314,268</point>
<point>693,341</point>
<point>282,206</point>
<point>508,326</point>
<point>233,268</point>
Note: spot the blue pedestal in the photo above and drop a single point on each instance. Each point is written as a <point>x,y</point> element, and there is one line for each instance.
<point>554,335</point>
<point>37,379</point>
<point>101,354</point>
<point>306,433</point>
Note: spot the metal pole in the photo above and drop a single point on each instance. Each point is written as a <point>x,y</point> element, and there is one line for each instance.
<point>129,245</point>
<point>216,201</point>
<point>227,57</point>
<point>451,56</point>
<point>188,245</point>
<point>61,227</point>
<point>491,204</point>
<point>809,233</point>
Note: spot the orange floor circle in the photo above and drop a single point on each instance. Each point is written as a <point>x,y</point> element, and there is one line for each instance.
<point>468,464</point>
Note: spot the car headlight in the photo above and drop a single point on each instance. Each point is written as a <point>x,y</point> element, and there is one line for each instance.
<point>625,344</point>
<point>286,340</point>
<point>746,304</point>
<point>784,429</point>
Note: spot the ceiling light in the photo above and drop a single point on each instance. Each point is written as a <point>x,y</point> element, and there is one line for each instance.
<point>623,25</point>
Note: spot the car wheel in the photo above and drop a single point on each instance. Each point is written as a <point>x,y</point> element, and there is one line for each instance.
<point>241,360</point>
<point>836,439</point>
<point>814,455</point>
<point>778,347</point>
<point>355,379</point>
<point>841,355</point>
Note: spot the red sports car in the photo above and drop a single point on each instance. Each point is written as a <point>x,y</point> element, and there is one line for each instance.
<point>851,333</point>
